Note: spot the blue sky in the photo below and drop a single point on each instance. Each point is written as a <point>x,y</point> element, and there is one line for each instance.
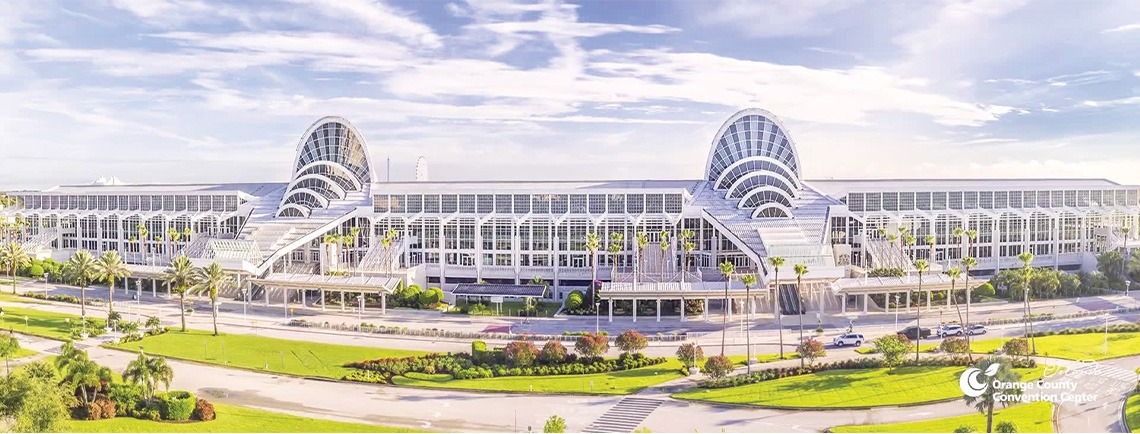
<point>190,91</point>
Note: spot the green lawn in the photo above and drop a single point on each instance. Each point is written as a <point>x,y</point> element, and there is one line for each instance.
<point>1132,412</point>
<point>23,352</point>
<point>1087,346</point>
<point>262,353</point>
<point>40,323</point>
<point>231,419</point>
<point>846,388</point>
<point>610,383</point>
<point>1035,417</point>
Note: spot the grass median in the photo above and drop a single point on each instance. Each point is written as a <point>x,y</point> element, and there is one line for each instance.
<point>51,325</point>
<point>1084,346</point>
<point>231,419</point>
<point>1035,417</point>
<point>302,358</point>
<point>847,388</point>
<point>1132,413</point>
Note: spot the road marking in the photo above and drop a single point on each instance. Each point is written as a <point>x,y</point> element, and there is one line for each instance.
<point>625,416</point>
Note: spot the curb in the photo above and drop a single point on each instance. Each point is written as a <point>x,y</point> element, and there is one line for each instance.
<point>777,407</point>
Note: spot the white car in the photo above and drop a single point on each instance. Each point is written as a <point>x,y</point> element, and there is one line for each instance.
<point>951,330</point>
<point>977,329</point>
<point>855,339</point>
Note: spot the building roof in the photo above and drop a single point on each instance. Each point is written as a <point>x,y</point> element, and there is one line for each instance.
<point>253,189</point>
<point>526,186</point>
<point>840,187</point>
<point>499,290</point>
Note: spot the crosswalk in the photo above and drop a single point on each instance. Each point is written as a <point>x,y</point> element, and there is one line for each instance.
<point>1102,377</point>
<point>626,416</point>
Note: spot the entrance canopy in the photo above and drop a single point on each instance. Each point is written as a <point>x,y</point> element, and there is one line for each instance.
<point>499,290</point>
<point>878,285</point>
<point>368,284</point>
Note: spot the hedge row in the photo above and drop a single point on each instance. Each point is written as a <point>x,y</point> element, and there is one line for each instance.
<point>861,363</point>
<point>461,366</point>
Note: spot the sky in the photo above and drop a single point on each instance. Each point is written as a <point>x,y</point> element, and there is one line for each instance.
<point>185,91</point>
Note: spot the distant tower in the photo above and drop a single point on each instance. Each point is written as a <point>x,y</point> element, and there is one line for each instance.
<point>421,169</point>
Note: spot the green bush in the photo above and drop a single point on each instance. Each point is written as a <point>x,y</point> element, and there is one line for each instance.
<point>985,290</point>
<point>965,429</point>
<point>126,398</point>
<point>177,405</point>
<point>574,300</point>
<point>717,367</point>
<point>1005,426</point>
<point>36,271</point>
<point>430,297</point>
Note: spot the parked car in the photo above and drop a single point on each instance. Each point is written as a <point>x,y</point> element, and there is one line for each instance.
<point>951,330</point>
<point>846,339</point>
<point>977,329</point>
<point>912,332</point>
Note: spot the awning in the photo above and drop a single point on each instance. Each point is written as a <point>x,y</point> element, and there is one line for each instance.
<point>373,284</point>
<point>499,290</point>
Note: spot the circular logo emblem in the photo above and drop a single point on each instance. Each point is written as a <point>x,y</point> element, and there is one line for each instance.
<point>974,381</point>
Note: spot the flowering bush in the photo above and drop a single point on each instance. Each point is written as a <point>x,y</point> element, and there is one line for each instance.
<point>631,341</point>
<point>592,345</point>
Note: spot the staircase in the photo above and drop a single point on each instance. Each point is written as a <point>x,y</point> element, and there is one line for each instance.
<point>790,300</point>
<point>380,258</point>
<point>40,241</point>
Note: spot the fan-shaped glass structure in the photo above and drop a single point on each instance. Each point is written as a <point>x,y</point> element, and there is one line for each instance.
<point>754,160</point>
<point>332,160</point>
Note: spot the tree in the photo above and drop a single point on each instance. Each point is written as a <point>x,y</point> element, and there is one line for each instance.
<point>592,345</point>
<point>957,234</point>
<point>922,267</point>
<point>726,269</point>
<point>687,247</point>
<point>749,280</point>
<point>181,276</point>
<point>552,353</point>
<point>81,269</point>
<point>554,425</point>
<point>776,262</point>
<point>717,367</point>
<point>9,345</point>
<point>664,243</point>
<point>690,354</point>
<point>42,407</point>
<point>574,300</point>
<point>210,280</point>
<point>148,372</point>
<point>892,347</point>
<point>631,341</point>
<point>85,375</point>
<point>129,328</point>
<point>930,240</point>
<point>616,246</point>
<point>13,257</point>
<point>593,242</point>
<point>520,354</point>
<point>1027,269</point>
<point>642,243</point>
<point>1017,347</point>
<point>800,270</point>
<point>153,323</point>
<point>968,263</point>
<point>985,372</point>
<point>811,349</point>
<point>110,267</point>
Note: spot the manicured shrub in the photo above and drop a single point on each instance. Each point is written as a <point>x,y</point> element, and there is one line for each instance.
<point>203,410</point>
<point>892,347</point>
<point>592,345</point>
<point>631,341</point>
<point>552,353</point>
<point>430,297</point>
<point>1016,347</point>
<point>36,271</point>
<point>965,429</point>
<point>177,405</point>
<point>1005,426</point>
<point>520,353</point>
<point>810,350</point>
<point>984,290</point>
<point>554,425</point>
<point>717,367</point>
<point>690,354</point>
<point>574,300</point>
<point>953,345</point>
<point>126,397</point>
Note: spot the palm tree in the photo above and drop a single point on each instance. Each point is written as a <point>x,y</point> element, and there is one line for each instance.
<point>971,236</point>
<point>777,262</point>
<point>1027,271</point>
<point>110,267</point>
<point>749,280</point>
<point>968,263</point>
<point>82,269</point>
<point>727,269</point>
<point>181,277</point>
<point>1124,258</point>
<point>683,242</point>
<point>891,238</point>
<point>353,239</point>
<point>957,233</point>
<point>990,370</point>
<point>210,280</point>
<point>929,239</point>
<point>615,248</point>
<point>664,248</point>
<point>642,243</point>
<point>85,373</point>
<point>800,270</point>
<point>922,266</point>
<point>593,243</point>
<point>148,372</point>
<point>144,247</point>
<point>910,241</point>
<point>955,273</point>
<point>14,258</point>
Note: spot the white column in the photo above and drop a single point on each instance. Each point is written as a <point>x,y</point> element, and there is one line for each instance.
<point>304,302</point>
<point>383,303</point>
<point>843,305</point>
<point>153,288</point>
<point>361,304</point>
<point>929,296</point>
<point>611,306</point>
<point>635,310</point>
<point>706,309</point>
<point>265,295</point>
<point>342,301</point>
<point>168,290</point>
<point>658,310</point>
<point>948,294</point>
<point>683,310</point>
<point>866,300</point>
<point>728,308</point>
<point>322,299</point>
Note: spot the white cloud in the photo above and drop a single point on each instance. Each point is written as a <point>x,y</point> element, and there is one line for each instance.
<point>379,18</point>
<point>1123,28</point>
<point>773,18</point>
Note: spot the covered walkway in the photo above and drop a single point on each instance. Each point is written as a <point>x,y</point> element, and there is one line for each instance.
<point>362,285</point>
